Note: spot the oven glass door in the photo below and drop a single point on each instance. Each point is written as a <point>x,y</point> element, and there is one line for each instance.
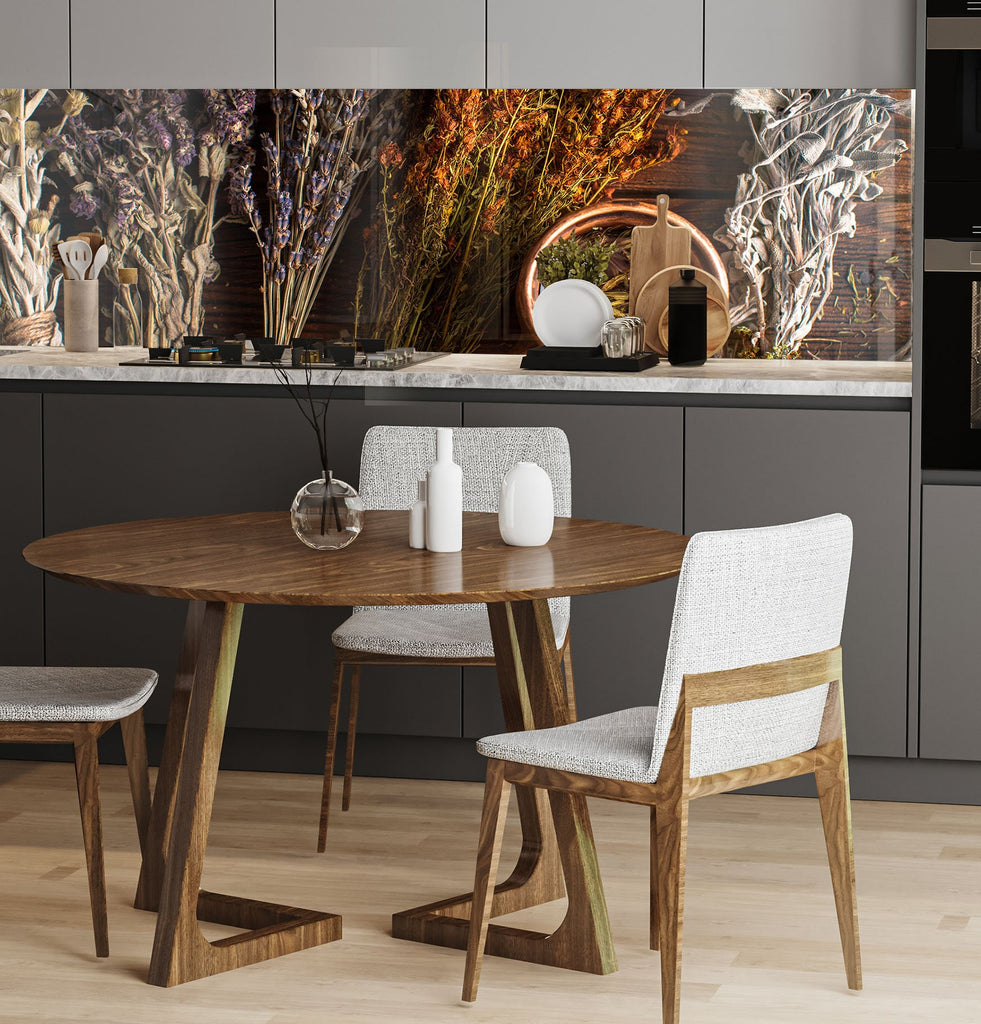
<point>952,370</point>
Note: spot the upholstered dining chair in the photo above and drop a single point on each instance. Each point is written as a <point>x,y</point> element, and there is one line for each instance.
<point>751,693</point>
<point>76,706</point>
<point>393,459</point>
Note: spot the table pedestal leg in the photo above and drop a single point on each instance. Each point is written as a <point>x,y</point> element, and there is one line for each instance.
<point>557,840</point>
<point>181,815</point>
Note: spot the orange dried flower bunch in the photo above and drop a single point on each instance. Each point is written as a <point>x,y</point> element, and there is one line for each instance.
<point>480,176</point>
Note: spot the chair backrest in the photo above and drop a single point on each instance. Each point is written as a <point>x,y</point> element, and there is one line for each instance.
<point>746,597</point>
<point>393,459</point>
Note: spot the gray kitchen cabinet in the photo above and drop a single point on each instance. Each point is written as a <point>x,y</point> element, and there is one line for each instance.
<point>380,44</point>
<point>577,44</point>
<point>626,466</point>
<point>181,44</point>
<point>21,521</point>
<point>950,611</point>
<point>34,45</point>
<point>802,44</point>
<point>110,458</point>
<point>758,467</point>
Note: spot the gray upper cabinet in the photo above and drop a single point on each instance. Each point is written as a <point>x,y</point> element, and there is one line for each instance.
<point>803,44</point>
<point>179,44</point>
<point>759,467</point>
<point>34,46</point>
<point>950,610</point>
<point>575,44</point>
<point>380,44</point>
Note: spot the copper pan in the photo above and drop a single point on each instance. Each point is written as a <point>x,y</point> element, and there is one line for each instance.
<point>611,215</point>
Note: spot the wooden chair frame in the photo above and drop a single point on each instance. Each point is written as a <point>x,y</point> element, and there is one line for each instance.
<point>343,658</point>
<point>84,737</point>
<point>669,798</point>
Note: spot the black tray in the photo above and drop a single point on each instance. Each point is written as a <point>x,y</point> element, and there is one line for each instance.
<point>556,357</point>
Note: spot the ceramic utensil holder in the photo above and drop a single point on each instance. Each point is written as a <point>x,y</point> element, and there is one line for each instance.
<point>82,316</point>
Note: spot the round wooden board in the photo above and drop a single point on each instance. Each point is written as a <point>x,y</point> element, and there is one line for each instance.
<point>717,327</point>
<point>652,303</point>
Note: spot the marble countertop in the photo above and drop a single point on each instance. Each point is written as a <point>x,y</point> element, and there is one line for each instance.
<point>844,379</point>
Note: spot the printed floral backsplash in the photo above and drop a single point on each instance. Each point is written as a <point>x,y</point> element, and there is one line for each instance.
<point>414,216</point>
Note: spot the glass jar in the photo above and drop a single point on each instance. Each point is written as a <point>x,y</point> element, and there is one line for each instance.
<point>327,514</point>
<point>127,311</point>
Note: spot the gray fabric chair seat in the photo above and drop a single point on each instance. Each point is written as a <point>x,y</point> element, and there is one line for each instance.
<point>614,746</point>
<point>56,694</point>
<point>454,631</point>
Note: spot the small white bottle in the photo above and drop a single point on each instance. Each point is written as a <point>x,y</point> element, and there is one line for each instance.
<point>444,497</point>
<point>417,518</point>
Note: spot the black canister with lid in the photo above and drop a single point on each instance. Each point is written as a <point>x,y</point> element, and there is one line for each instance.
<point>687,320</point>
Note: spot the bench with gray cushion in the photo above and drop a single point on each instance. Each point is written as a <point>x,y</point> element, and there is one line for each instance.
<point>393,460</point>
<point>76,706</point>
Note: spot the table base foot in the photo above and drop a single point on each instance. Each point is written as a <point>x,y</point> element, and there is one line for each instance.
<point>566,947</point>
<point>272,930</point>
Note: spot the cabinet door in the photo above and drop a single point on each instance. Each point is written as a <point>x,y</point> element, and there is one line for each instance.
<point>179,44</point>
<point>950,610</point>
<point>803,44</point>
<point>380,44</point>
<point>758,467</point>
<point>626,466</point>
<point>21,521</point>
<point>34,45</point>
<point>642,44</point>
<point>112,458</point>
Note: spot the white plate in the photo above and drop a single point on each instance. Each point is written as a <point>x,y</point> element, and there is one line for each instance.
<point>571,313</point>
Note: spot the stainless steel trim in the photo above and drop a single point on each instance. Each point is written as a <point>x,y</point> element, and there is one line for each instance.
<point>953,33</point>
<point>941,254</point>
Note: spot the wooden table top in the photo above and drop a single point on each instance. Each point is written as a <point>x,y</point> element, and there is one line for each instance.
<point>255,558</point>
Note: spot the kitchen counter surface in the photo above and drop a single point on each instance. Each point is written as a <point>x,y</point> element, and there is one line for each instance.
<point>844,379</point>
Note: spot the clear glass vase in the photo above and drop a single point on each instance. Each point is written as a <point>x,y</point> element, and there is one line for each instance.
<point>327,514</point>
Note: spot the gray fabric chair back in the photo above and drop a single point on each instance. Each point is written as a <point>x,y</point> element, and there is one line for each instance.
<point>746,597</point>
<point>393,459</point>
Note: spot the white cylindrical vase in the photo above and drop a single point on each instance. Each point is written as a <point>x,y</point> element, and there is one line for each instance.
<point>82,316</point>
<point>444,497</point>
<point>526,513</point>
<point>417,518</point>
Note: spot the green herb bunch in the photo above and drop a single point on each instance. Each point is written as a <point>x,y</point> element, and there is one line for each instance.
<point>576,258</point>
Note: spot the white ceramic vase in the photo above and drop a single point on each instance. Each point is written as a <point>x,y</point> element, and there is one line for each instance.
<point>526,512</point>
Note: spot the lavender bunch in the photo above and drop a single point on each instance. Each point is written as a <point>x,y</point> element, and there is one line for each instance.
<point>147,167</point>
<point>315,160</point>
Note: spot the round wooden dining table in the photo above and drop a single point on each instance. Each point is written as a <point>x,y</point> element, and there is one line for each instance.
<point>221,563</point>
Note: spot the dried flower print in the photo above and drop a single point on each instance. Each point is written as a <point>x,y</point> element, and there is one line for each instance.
<point>147,166</point>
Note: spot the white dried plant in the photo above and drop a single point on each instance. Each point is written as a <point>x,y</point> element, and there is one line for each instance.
<point>28,288</point>
<point>815,156</point>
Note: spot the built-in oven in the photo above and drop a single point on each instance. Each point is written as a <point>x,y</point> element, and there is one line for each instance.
<point>951,305</point>
<point>951,436</point>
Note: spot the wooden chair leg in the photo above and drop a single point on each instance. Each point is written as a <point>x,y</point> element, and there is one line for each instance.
<point>134,744</point>
<point>671,840</point>
<point>352,728</point>
<point>335,710</point>
<point>655,917</point>
<point>836,814</point>
<point>497,792</point>
<point>570,684</point>
<point>87,778</point>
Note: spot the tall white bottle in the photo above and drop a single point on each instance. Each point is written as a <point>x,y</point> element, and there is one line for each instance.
<point>444,497</point>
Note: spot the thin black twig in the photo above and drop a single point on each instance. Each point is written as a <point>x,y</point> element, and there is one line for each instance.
<point>315,413</point>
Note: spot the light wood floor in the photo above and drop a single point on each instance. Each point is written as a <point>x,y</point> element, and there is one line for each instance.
<point>761,944</point>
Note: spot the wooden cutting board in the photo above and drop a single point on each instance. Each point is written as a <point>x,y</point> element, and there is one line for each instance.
<point>652,305</point>
<point>654,248</point>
